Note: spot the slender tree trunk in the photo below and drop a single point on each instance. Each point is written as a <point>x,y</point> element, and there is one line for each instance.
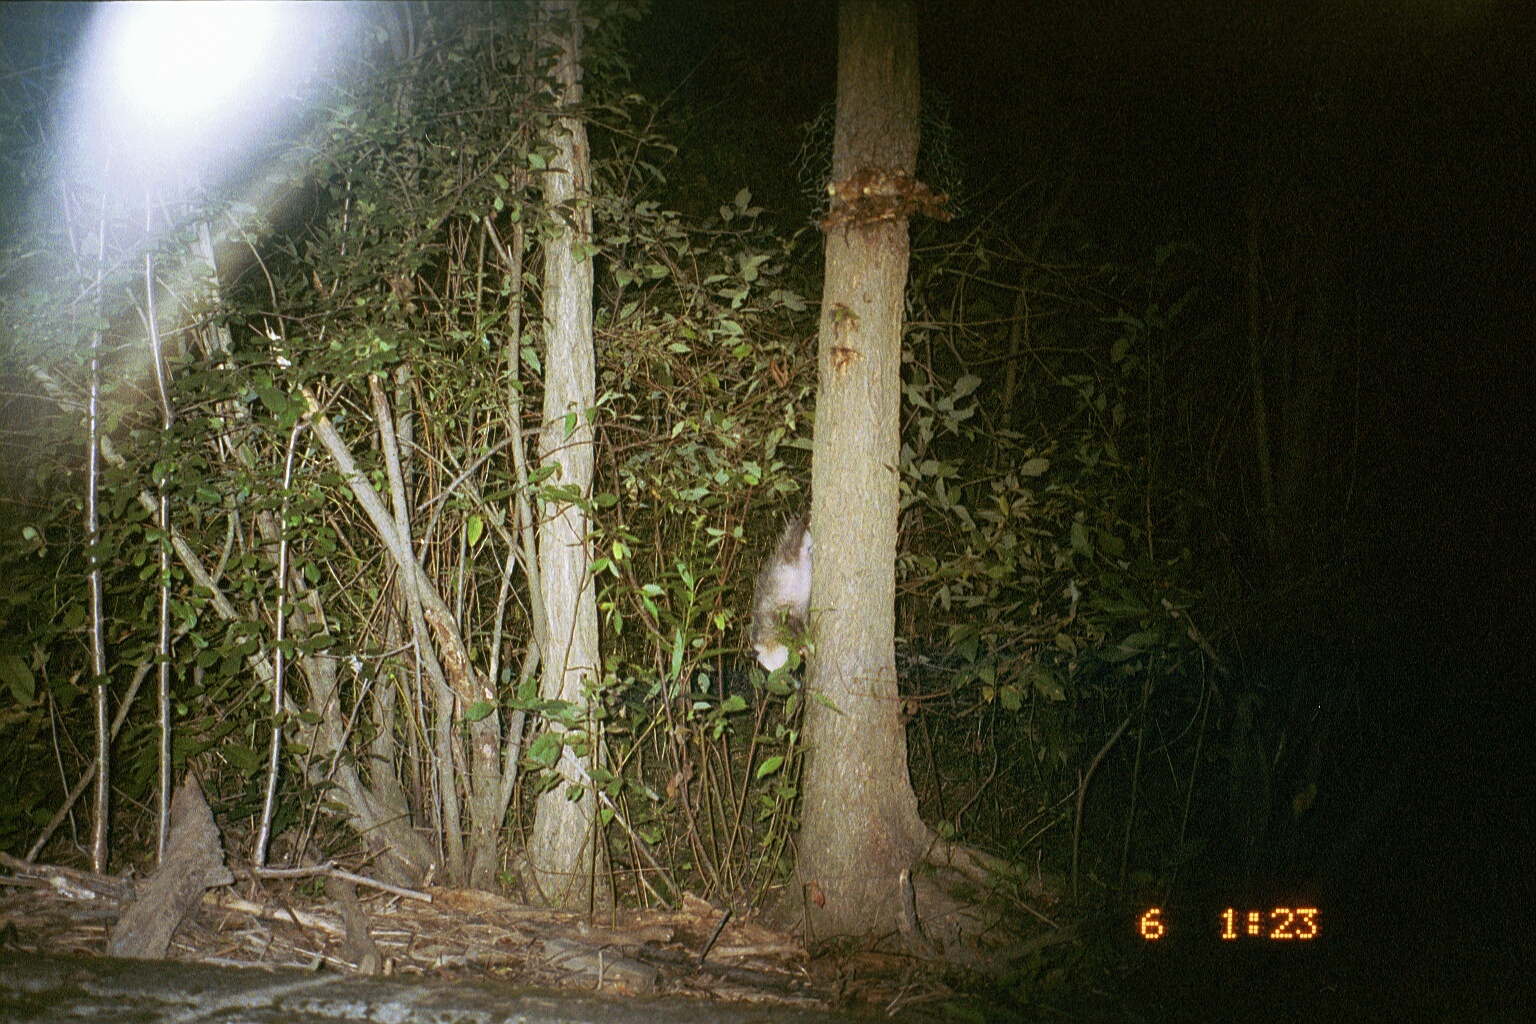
<point>101,825</point>
<point>860,826</point>
<point>561,866</point>
<point>163,519</point>
<point>279,661</point>
<point>101,822</point>
<point>527,547</point>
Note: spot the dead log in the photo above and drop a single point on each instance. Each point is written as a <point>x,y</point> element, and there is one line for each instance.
<point>194,862</point>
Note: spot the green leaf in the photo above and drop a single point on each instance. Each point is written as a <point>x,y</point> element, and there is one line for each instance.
<point>545,750</point>
<point>1035,467</point>
<point>241,757</point>
<point>826,702</point>
<point>528,690</point>
<point>1045,682</point>
<point>275,401</point>
<point>15,674</point>
<point>476,528</point>
<point>770,766</point>
<point>478,710</point>
<point>1110,544</point>
<point>677,653</point>
<point>734,703</point>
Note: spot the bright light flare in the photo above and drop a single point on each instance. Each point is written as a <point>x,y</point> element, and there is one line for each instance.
<point>171,91</point>
<point>177,62</point>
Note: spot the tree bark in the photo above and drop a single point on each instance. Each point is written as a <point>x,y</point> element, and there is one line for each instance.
<point>860,826</point>
<point>560,863</point>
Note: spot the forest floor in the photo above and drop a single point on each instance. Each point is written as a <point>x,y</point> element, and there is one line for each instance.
<point>441,933</point>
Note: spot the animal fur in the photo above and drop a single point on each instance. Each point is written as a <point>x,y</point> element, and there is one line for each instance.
<point>783,597</point>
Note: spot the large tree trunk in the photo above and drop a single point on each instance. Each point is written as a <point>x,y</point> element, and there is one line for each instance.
<point>860,826</point>
<point>560,852</point>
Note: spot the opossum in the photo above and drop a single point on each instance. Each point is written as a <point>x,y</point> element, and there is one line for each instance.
<point>783,596</point>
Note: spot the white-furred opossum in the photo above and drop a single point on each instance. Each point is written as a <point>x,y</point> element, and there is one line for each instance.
<point>782,600</point>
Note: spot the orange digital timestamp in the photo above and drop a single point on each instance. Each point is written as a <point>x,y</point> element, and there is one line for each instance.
<point>1150,925</point>
<point>1279,924</point>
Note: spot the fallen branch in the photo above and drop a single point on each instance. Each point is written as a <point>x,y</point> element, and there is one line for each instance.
<point>302,918</point>
<point>330,870</point>
<point>76,884</point>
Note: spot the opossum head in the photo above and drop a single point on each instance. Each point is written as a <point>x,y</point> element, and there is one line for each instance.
<point>783,597</point>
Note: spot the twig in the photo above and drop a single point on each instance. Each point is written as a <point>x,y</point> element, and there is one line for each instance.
<point>90,772</point>
<point>330,870</point>
<point>1200,641</point>
<point>1082,791</point>
<point>1194,769</point>
<point>1019,952</point>
<point>305,920</point>
<point>704,953</point>
<point>570,759</point>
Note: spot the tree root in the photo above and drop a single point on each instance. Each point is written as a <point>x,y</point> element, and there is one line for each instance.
<point>962,905</point>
